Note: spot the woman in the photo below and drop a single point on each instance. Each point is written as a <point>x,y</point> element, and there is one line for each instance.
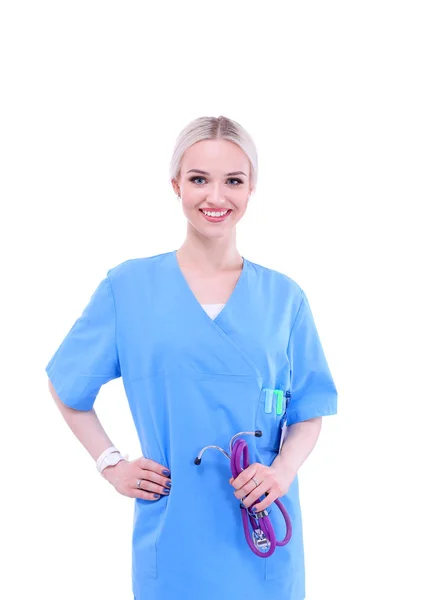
<point>208,344</point>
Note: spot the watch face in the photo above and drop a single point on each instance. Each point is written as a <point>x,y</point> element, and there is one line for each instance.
<point>113,459</point>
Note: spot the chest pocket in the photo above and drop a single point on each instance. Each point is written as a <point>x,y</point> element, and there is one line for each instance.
<point>271,417</point>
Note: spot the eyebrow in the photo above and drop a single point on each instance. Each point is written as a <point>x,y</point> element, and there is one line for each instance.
<point>226,174</point>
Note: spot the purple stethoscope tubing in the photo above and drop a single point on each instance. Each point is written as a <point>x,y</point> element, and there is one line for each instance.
<point>240,450</point>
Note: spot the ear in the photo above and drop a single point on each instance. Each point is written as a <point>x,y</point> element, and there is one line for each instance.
<point>175,187</point>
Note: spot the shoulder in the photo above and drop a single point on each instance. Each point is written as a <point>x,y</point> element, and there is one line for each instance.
<point>276,280</point>
<point>133,272</point>
<point>135,267</point>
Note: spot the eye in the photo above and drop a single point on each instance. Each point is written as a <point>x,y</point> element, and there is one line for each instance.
<point>238,181</point>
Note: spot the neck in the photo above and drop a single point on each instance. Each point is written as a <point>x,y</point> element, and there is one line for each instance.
<point>210,254</point>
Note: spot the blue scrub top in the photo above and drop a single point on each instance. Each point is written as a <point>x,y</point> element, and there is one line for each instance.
<point>192,381</point>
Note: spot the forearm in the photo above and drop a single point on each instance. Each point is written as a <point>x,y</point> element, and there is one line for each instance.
<point>85,425</point>
<point>299,442</point>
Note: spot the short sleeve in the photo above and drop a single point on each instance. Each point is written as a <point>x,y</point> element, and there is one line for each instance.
<point>87,358</point>
<point>313,391</point>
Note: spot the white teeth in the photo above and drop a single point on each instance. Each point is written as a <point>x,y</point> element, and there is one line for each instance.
<point>215,214</point>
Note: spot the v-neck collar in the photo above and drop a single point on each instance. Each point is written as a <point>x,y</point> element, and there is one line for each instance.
<point>194,301</point>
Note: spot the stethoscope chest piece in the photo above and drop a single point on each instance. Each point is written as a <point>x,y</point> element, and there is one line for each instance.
<point>260,540</point>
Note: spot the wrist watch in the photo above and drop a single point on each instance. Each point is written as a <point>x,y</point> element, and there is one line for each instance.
<point>109,458</point>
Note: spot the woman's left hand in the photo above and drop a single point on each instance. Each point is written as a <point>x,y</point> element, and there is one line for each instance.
<point>271,481</point>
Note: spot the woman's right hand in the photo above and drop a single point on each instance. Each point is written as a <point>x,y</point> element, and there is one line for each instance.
<point>124,474</point>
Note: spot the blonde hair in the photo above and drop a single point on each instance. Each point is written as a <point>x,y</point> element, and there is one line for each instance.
<point>214,128</point>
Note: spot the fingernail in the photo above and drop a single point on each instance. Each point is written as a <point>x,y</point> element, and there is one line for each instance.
<point>253,509</point>
<point>166,472</point>
<point>168,484</point>
<point>156,495</point>
<point>167,491</point>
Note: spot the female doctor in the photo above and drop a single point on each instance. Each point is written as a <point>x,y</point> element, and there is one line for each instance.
<point>208,345</point>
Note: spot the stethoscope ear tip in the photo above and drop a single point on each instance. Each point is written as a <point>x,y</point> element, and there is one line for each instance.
<point>258,433</point>
<point>197,461</point>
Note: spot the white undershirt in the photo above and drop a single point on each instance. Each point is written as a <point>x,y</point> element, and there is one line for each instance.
<point>213,309</point>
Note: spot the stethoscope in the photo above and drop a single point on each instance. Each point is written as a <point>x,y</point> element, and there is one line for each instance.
<point>263,539</point>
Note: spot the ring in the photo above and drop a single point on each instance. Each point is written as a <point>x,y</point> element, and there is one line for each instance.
<point>255,481</point>
<point>138,482</point>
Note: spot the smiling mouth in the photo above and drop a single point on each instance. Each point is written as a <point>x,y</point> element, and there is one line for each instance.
<point>215,214</point>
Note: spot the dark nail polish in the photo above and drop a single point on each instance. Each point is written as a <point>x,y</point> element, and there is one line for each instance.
<point>166,492</point>
<point>166,473</point>
<point>156,495</point>
<point>168,484</point>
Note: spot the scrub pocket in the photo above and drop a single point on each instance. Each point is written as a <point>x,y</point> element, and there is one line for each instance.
<point>148,519</point>
<point>270,415</point>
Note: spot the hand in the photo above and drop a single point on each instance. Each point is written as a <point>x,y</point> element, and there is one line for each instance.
<point>124,474</point>
<point>272,482</point>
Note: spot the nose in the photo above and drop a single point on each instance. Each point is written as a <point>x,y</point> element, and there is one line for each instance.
<point>216,196</point>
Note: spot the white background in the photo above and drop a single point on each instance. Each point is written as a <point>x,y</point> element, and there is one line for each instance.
<point>93,95</point>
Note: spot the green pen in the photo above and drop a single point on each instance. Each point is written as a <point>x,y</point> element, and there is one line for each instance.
<point>279,401</point>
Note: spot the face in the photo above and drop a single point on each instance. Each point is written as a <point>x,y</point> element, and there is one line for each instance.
<point>214,177</point>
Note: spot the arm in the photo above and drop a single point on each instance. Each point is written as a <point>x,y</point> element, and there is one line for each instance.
<point>298,445</point>
<point>85,425</point>
<point>89,431</point>
<point>299,442</point>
